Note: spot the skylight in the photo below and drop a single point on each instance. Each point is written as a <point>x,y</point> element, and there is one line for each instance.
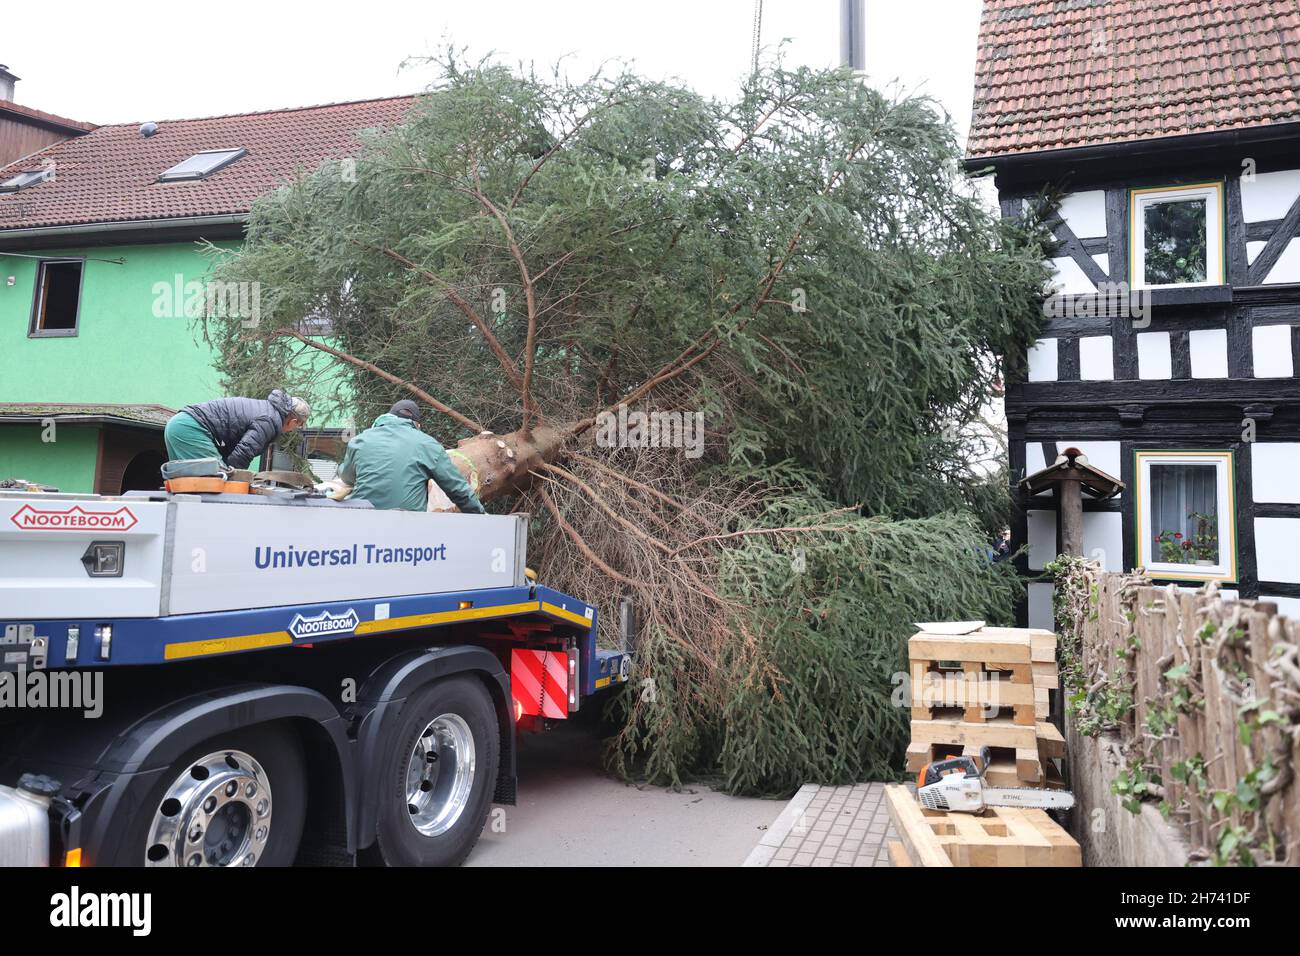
<point>24,179</point>
<point>201,165</point>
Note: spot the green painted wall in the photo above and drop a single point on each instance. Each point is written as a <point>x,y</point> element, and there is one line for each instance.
<point>67,463</point>
<point>135,344</point>
<point>125,351</point>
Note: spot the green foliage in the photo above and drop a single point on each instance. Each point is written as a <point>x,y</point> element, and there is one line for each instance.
<point>1132,784</point>
<point>817,695</point>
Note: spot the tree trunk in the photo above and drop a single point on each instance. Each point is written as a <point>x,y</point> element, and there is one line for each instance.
<point>498,465</point>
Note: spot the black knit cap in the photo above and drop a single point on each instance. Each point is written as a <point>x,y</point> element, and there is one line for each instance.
<point>406,409</point>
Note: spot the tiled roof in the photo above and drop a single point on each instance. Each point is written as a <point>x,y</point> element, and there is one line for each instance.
<point>1057,74</point>
<point>40,116</point>
<point>111,173</point>
<point>153,415</point>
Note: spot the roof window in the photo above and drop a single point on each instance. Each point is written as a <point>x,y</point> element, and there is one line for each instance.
<point>26,178</point>
<point>201,165</point>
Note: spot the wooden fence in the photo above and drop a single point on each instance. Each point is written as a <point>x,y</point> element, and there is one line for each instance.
<point>1205,697</point>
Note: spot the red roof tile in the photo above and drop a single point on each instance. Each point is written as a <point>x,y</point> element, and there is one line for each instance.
<point>111,173</point>
<point>1056,74</point>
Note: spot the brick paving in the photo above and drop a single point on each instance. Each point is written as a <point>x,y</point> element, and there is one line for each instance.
<point>829,826</point>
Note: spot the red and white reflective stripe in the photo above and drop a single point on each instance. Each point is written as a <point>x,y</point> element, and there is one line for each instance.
<point>539,681</point>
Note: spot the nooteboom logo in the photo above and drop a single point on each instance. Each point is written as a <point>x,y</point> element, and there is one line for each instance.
<point>323,624</point>
<point>75,518</point>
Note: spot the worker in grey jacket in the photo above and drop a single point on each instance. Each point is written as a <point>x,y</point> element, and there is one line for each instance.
<point>236,430</point>
<point>390,463</point>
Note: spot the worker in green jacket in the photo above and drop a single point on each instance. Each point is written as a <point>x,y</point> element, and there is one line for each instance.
<point>389,465</point>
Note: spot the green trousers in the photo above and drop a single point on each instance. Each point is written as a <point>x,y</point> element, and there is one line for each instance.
<point>186,438</point>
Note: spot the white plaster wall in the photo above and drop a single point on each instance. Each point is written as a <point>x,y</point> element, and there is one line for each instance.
<point>1287,267</point>
<point>1103,538</point>
<point>1275,472</point>
<point>1042,361</point>
<point>1209,348</point>
<point>1096,360</point>
<point>1269,195</point>
<point>1040,606</point>
<point>1042,538</point>
<point>1068,279</point>
<point>1154,356</point>
<point>1085,213</point>
<point>1272,351</point>
<point>1277,549</point>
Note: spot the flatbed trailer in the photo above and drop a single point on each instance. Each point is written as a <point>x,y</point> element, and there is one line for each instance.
<point>282,678</point>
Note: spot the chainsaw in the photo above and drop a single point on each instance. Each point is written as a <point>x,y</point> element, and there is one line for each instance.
<point>958,784</point>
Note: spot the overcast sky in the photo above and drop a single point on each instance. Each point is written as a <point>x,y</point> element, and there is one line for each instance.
<point>147,60</point>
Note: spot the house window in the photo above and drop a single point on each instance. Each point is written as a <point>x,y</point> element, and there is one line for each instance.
<point>1177,236</point>
<point>317,324</point>
<point>1185,520</point>
<point>201,165</point>
<point>58,297</point>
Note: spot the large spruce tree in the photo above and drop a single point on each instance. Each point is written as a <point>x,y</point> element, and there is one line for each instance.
<point>805,266</point>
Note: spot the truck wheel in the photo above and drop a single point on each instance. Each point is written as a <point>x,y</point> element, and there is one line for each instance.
<point>236,800</point>
<point>438,775</point>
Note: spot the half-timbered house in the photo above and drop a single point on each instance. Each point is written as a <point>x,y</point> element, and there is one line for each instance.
<point>1168,132</point>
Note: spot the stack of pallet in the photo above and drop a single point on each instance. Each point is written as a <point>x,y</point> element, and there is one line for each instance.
<point>1000,836</point>
<point>986,687</point>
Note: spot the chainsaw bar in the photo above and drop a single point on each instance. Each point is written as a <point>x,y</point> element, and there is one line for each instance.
<point>1024,797</point>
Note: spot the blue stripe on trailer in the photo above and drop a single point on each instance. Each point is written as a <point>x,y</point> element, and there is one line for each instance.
<point>158,640</point>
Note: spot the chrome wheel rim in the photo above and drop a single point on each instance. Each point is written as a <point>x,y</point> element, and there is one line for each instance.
<point>440,775</point>
<point>216,813</point>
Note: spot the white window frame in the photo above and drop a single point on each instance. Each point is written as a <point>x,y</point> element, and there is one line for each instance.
<point>1225,475</point>
<point>1140,199</point>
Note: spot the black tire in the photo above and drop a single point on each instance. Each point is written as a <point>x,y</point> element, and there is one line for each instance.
<point>278,752</point>
<point>399,842</point>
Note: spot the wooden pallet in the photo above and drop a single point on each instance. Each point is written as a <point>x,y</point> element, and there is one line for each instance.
<point>1031,748</point>
<point>1046,681</point>
<point>975,691</point>
<point>1024,764</point>
<point>1002,771</point>
<point>1000,836</point>
<point>956,681</point>
<point>1012,667</point>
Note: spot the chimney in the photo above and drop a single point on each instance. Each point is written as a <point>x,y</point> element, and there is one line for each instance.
<point>7,81</point>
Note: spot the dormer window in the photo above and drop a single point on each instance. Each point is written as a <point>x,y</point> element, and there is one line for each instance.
<point>201,165</point>
<point>1177,236</point>
<point>28,178</point>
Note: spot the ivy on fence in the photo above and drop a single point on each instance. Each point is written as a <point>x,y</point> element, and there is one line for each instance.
<point>1200,699</point>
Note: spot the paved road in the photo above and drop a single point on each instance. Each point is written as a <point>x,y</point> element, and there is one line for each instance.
<point>570,813</point>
